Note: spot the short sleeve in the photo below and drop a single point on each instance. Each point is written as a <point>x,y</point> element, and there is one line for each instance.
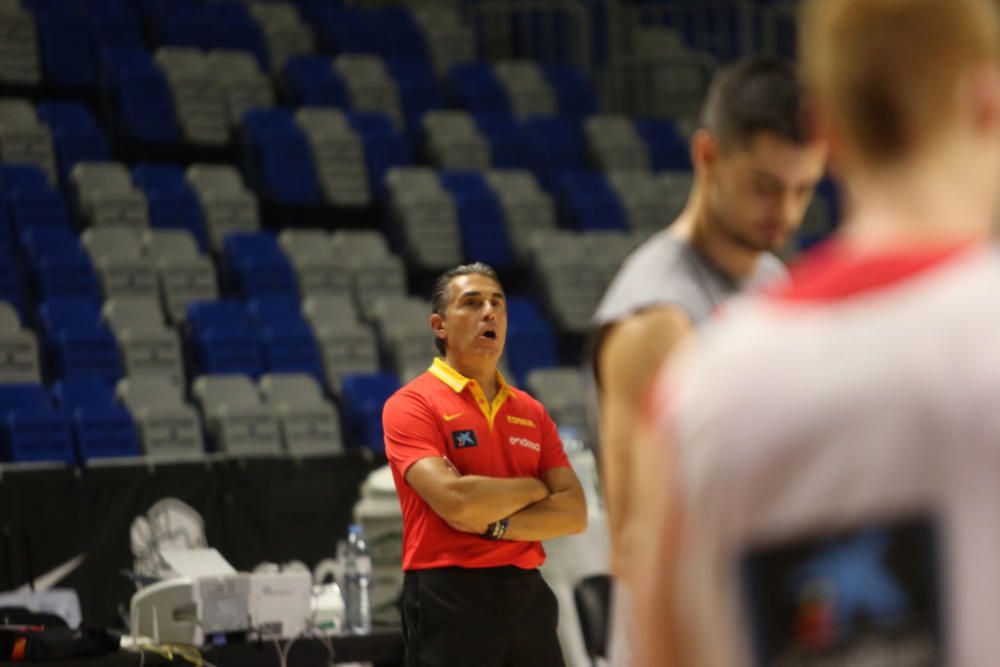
<point>553,455</point>
<point>411,432</point>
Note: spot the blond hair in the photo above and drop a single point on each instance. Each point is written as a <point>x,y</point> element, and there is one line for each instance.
<point>884,73</point>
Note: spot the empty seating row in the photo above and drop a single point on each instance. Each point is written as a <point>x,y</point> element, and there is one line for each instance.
<point>162,265</point>
<point>24,138</point>
<point>572,271</point>
<point>211,91</point>
<point>20,62</point>
<point>523,88</point>
<point>285,412</point>
<point>84,420</point>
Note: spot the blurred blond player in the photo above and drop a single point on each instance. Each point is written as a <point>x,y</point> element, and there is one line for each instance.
<point>834,447</point>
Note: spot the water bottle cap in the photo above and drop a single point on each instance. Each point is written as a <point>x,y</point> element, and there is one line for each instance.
<point>354,529</point>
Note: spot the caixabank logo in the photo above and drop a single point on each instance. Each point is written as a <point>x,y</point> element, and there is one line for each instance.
<point>865,597</point>
<point>463,439</point>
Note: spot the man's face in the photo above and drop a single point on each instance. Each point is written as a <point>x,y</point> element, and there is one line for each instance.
<point>758,193</point>
<point>475,321</point>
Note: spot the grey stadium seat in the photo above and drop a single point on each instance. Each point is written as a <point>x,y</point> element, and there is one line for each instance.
<point>369,85</point>
<point>529,92</point>
<point>169,428</point>
<point>319,268</point>
<point>118,257</point>
<point>645,200</point>
<point>18,349</point>
<point>570,286</point>
<point>454,141</point>
<point>243,85</point>
<point>330,309</point>
<point>448,39</point>
<point>106,196</point>
<point>615,144</point>
<point>184,275</point>
<point>375,271</point>
<point>309,423</point>
<point>236,419</point>
<point>147,345</point>
<point>428,217</point>
<point>404,333</point>
<point>285,33</point>
<point>199,100</point>
<point>527,209</point>
<point>226,202</point>
<point>608,250</point>
<point>347,345</point>
<point>23,138</point>
<point>561,391</point>
<point>339,155</point>
<point>20,63</point>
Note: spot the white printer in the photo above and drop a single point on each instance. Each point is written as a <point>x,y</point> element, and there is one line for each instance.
<point>208,596</point>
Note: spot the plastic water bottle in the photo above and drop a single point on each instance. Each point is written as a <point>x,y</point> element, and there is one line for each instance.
<point>357,580</point>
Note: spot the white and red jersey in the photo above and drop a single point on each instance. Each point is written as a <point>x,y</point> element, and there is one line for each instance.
<point>837,446</point>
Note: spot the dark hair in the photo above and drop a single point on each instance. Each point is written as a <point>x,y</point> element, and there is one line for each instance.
<point>755,94</point>
<point>439,293</point>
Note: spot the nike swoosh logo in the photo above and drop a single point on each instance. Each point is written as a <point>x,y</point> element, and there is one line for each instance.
<point>54,576</point>
<point>448,418</point>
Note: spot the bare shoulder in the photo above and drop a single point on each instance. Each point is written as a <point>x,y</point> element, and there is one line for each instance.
<point>636,345</point>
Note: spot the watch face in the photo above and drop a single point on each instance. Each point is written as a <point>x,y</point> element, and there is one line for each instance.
<point>868,596</point>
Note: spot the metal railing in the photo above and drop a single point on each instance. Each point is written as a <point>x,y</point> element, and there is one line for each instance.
<point>546,31</point>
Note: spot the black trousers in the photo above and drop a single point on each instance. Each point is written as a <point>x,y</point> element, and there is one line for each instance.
<point>491,617</point>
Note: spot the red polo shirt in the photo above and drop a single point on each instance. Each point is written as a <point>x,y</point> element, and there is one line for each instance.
<point>443,413</point>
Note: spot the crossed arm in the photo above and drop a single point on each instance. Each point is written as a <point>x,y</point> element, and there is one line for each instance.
<point>536,509</point>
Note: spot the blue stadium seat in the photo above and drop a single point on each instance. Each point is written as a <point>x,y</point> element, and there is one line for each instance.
<point>254,265</point>
<point>506,142</point>
<point>474,86</point>
<point>668,149</point>
<point>173,203</point>
<point>219,25</point>
<point>347,30</point>
<point>312,81</point>
<point>57,265</point>
<point>139,97</point>
<point>480,217</point>
<point>384,146</point>
<point>72,32</point>
<point>101,427</point>
<point>531,339</point>
<point>27,200</point>
<point>390,32</point>
<point>10,282</point>
<point>362,398</point>
<point>76,340</point>
<point>37,208</point>
<point>287,339</point>
<point>553,145</point>
<point>67,52</point>
<point>419,91</point>
<point>575,97</point>
<point>221,339</point>
<point>32,430</point>
<point>588,203</point>
<point>398,34</point>
<point>279,158</point>
<point>76,135</point>
<point>17,176</point>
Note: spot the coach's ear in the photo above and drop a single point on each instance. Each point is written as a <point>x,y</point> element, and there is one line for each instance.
<point>437,326</point>
<point>704,149</point>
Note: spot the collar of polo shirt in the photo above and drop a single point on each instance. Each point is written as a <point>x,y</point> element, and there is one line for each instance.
<point>458,382</point>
